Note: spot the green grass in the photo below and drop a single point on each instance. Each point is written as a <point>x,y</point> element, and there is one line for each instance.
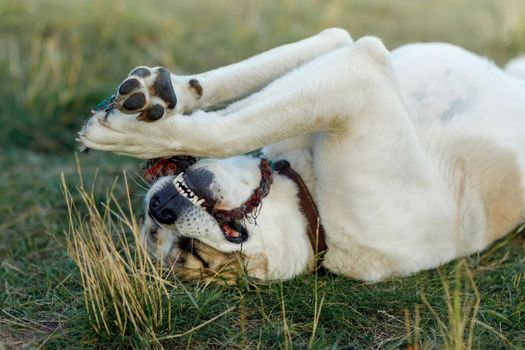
<point>59,58</point>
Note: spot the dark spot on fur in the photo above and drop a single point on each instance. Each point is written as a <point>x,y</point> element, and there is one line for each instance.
<point>135,101</point>
<point>196,86</point>
<point>454,107</point>
<point>185,244</point>
<point>164,88</point>
<point>141,72</point>
<point>128,86</point>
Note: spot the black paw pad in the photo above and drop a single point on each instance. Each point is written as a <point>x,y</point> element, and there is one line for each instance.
<point>164,88</point>
<point>141,72</point>
<point>155,112</point>
<point>128,86</point>
<point>135,101</point>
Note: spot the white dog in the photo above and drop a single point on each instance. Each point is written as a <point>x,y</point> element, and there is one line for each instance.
<point>413,157</point>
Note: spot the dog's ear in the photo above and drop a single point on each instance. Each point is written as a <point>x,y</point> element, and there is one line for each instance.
<point>196,87</point>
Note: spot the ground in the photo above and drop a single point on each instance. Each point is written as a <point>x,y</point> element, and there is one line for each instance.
<point>60,58</point>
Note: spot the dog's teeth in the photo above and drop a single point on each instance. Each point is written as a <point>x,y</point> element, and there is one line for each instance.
<point>185,191</point>
<point>178,178</point>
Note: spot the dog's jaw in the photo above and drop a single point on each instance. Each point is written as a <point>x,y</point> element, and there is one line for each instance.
<point>277,247</point>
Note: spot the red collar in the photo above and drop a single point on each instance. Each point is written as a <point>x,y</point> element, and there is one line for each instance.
<point>157,168</point>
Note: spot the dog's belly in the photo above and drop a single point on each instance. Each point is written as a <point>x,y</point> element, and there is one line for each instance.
<point>469,117</point>
<point>445,85</point>
<point>467,108</point>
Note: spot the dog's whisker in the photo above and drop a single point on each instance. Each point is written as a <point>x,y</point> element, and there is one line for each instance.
<point>139,181</point>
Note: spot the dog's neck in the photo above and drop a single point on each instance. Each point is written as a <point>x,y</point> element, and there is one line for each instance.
<point>282,248</point>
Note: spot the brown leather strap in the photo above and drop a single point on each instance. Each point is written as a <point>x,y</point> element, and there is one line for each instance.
<point>315,230</point>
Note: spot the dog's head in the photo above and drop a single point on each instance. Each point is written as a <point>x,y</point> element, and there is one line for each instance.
<point>181,230</point>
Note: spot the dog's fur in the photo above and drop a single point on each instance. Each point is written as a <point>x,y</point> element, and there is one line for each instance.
<point>414,157</point>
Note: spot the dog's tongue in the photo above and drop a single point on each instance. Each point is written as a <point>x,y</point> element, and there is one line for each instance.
<point>230,232</point>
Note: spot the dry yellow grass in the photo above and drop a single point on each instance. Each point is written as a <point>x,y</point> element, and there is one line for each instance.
<point>125,292</point>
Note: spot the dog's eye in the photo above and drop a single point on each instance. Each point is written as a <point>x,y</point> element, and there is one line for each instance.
<point>186,245</point>
<point>154,233</point>
<point>200,258</point>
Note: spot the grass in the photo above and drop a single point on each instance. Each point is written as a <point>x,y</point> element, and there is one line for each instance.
<point>124,290</point>
<point>59,58</point>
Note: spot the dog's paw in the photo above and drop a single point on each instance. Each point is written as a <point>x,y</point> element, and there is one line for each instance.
<point>147,92</point>
<point>123,134</point>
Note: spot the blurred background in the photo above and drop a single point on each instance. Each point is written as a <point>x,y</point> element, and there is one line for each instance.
<point>59,58</point>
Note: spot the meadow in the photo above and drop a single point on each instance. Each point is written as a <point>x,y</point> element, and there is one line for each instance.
<point>60,58</point>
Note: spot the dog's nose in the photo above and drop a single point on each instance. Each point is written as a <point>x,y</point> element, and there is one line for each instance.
<point>163,205</point>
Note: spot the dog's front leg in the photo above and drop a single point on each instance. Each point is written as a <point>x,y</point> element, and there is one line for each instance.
<point>233,82</point>
<point>323,95</point>
<point>153,92</point>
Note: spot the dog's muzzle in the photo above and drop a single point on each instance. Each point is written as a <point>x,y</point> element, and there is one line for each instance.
<point>167,204</point>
